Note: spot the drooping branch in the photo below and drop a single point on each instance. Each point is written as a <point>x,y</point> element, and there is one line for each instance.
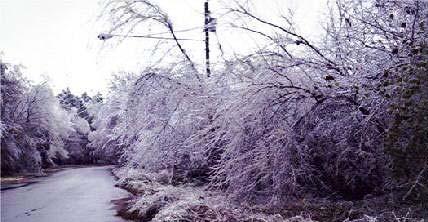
<point>129,14</point>
<point>243,11</point>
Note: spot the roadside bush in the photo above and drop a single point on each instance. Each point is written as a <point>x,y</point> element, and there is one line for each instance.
<point>341,150</point>
<point>407,137</point>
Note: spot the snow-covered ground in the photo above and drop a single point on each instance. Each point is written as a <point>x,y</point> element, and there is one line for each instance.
<point>82,194</point>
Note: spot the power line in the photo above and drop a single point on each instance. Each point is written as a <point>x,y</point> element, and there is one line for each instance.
<point>159,37</point>
<point>183,30</point>
<point>108,36</point>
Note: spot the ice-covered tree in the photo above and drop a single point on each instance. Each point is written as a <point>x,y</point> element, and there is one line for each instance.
<point>296,117</point>
<point>34,125</point>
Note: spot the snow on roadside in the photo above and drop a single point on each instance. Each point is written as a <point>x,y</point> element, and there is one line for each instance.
<point>157,200</point>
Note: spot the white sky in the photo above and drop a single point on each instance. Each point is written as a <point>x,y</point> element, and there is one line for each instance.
<point>56,39</point>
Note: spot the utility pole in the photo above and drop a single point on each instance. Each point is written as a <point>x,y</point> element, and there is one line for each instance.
<point>207,38</point>
<point>2,69</point>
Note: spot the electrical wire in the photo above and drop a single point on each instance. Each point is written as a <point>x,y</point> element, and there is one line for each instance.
<point>156,37</point>
<point>176,31</point>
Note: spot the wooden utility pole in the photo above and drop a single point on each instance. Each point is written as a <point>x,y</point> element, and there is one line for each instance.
<point>2,68</point>
<point>207,38</point>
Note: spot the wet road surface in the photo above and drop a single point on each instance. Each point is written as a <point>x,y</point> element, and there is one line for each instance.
<point>71,195</point>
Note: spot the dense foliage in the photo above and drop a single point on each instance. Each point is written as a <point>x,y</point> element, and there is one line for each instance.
<point>343,118</point>
<point>407,138</point>
<point>321,114</point>
<point>36,130</point>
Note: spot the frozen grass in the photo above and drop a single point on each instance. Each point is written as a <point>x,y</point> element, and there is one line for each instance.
<point>157,201</point>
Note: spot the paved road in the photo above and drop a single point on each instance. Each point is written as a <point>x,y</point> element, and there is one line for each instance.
<point>72,195</point>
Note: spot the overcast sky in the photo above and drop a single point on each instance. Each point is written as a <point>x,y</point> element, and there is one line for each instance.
<point>56,39</point>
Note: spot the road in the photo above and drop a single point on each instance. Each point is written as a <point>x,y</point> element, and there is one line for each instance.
<point>71,195</point>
